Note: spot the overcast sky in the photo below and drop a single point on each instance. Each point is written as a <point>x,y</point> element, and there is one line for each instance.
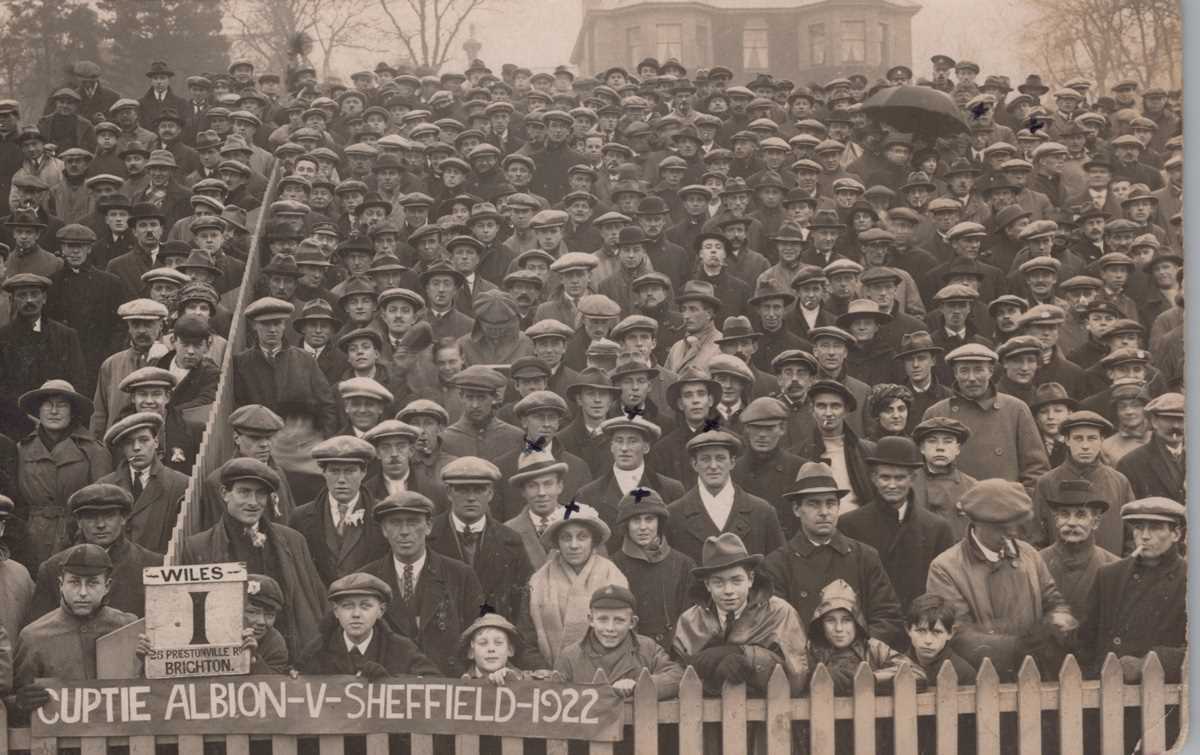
<point>541,33</point>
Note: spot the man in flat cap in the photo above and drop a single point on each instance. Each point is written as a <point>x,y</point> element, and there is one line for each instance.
<point>1158,468</point>
<point>540,415</point>
<point>246,533</point>
<point>144,320</point>
<point>278,376</point>
<point>254,428</point>
<point>479,431</point>
<point>33,349</point>
<point>62,644</point>
<point>1083,435</point>
<point>342,536</point>
<point>150,390</point>
<point>715,504</point>
<point>1006,601</point>
<point>1138,605</point>
<point>429,456</point>
<point>469,532</point>
<point>100,511</point>
<point>358,643</point>
<point>1005,442</point>
<point>156,489</point>
<point>435,597</point>
<point>496,337</point>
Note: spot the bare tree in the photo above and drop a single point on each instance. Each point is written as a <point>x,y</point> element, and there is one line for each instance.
<point>263,28</point>
<point>428,29</point>
<point>1110,40</point>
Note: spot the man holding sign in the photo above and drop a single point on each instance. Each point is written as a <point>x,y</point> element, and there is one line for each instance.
<point>62,644</point>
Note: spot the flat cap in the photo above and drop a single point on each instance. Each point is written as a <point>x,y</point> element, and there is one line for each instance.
<point>955,292</point>
<point>794,356</point>
<point>1125,356</point>
<point>494,307</point>
<point>639,424</point>
<point>1081,282</point>
<point>344,448</point>
<point>360,583</point>
<point>86,560</point>
<point>264,591</point>
<point>466,470</point>
<point>408,502</point>
<point>268,307</point>
<point>728,364</point>
<point>966,229</point>
<point>536,401</point>
<point>613,596</point>
<point>99,496</point>
<point>575,261</point>
<point>142,309</point>
<point>1019,345</point>
<point>971,352</point>
<point>549,327</point>
<point>480,378</point>
<point>1167,405</point>
<point>947,425</point>
<point>245,468</point>
<point>633,323</point>
<point>598,305</point>
<point>718,438</point>
<point>1042,314</point>
<point>764,410</point>
<point>148,377</point>
<point>528,367</point>
<point>1155,509</point>
<point>255,418</point>
<point>423,407</point>
<point>996,501</point>
<point>1085,419</point>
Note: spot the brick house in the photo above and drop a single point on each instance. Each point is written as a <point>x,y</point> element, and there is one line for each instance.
<point>805,40</point>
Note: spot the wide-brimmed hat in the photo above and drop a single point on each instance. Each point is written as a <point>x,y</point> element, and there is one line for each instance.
<point>767,289</point>
<point>699,291</point>
<point>917,342</point>
<point>862,308</point>
<point>723,552</point>
<point>692,374</point>
<point>815,477</point>
<point>600,530</point>
<point>81,406</point>
<point>1051,393</point>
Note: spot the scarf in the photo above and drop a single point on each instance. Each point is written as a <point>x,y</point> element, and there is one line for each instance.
<point>560,598</point>
<point>606,658</point>
<point>652,554</point>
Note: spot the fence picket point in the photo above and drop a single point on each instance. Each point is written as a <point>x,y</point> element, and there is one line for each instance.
<point>1154,721</point>
<point>691,712</point>
<point>1112,707</point>
<point>904,711</point>
<point>864,710</point>
<point>1070,708</point>
<point>645,715</point>
<point>946,711</point>
<point>822,736</point>
<point>1029,708</point>
<point>987,710</point>
<point>779,713</point>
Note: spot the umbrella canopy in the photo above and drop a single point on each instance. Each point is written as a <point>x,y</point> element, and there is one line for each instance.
<point>923,112</point>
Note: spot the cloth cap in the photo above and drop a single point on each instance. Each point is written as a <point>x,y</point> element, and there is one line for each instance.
<point>245,468</point>
<point>1167,405</point>
<point>391,428</point>
<point>971,352</point>
<point>470,470</point>
<point>264,591</point>
<point>1085,419</point>
<point>941,425</point>
<point>255,418</point>
<point>131,423</point>
<point>268,307</point>
<point>613,596</point>
<point>344,448</point>
<point>148,377</point>
<point>408,502</point>
<point>764,410</point>
<point>996,501</point>
<point>142,309</point>
<point>718,438</point>
<point>360,583</point>
<point>536,401</point>
<point>1156,509</point>
<point>86,560</point>
<point>99,496</point>
<point>423,407</point>
<point>480,378</point>
<point>598,305</point>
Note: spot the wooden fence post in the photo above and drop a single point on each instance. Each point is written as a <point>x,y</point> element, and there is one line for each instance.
<point>864,710</point>
<point>1070,708</point>
<point>1112,707</point>
<point>691,713</point>
<point>1154,722</point>
<point>645,715</point>
<point>734,733</point>
<point>1029,708</point>
<point>904,711</point>
<point>987,710</point>
<point>946,710</point>
<point>820,705</point>
<point>779,713</point>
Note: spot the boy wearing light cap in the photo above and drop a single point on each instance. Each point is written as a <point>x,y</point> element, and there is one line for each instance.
<point>612,645</point>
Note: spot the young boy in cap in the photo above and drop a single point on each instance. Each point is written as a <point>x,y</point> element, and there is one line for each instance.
<point>940,440</point>
<point>490,644</point>
<point>359,644</point>
<point>62,644</point>
<point>264,601</point>
<point>613,645</point>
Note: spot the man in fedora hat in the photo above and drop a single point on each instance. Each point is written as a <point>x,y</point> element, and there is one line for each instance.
<point>740,631</point>
<point>1006,613</point>
<point>1083,434</point>
<point>699,306</point>
<point>1073,557</point>
<point>100,511</point>
<point>715,504</point>
<point>895,523</point>
<point>919,356</point>
<point>156,489</point>
<point>159,97</point>
<point>246,532</point>
<point>1005,442</point>
<point>629,437</point>
<point>24,231</point>
<point>33,349</point>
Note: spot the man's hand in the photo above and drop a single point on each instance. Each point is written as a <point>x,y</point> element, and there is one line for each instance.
<point>1063,622</point>
<point>501,676</point>
<point>249,641</point>
<point>144,648</point>
<point>735,669</point>
<point>624,686</point>
<point>1131,667</point>
<point>31,697</point>
<point>373,670</point>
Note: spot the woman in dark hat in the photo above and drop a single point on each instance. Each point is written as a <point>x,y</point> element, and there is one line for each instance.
<point>59,457</point>
<point>887,410</point>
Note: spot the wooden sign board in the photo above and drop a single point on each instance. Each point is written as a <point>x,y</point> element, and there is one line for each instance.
<point>116,652</point>
<point>333,705</point>
<point>194,620</point>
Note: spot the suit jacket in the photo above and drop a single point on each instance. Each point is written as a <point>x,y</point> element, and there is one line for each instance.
<point>523,526</point>
<point>751,518</point>
<point>129,267</point>
<point>856,449</point>
<point>503,569</point>
<point>326,655</point>
<point>769,477</point>
<point>156,510</point>
<point>445,602</point>
<point>1153,471</point>
<point>593,449</point>
<point>359,545</point>
<point>603,494</point>
<point>293,381</point>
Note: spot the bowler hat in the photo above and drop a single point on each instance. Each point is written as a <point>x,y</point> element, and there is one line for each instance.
<point>897,451</point>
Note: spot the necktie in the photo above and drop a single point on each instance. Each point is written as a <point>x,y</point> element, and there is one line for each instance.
<point>469,538</point>
<point>407,587</point>
<point>343,511</point>
<point>137,486</point>
<point>543,523</point>
<point>729,617</point>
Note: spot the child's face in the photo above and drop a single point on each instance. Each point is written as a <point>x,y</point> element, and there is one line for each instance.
<point>839,627</point>
<point>357,615</point>
<point>928,640</point>
<point>490,649</point>
<point>259,618</point>
<point>1050,416</point>
<point>611,625</point>
<point>940,449</point>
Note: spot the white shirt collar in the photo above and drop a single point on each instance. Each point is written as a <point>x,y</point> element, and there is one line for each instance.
<point>334,507</point>
<point>628,480</point>
<point>551,518</point>
<point>417,567</point>
<point>143,475</point>
<point>362,646</point>
<point>988,553</point>
<point>718,506</point>
<point>396,486</point>
<point>37,325</point>
<point>315,352</point>
<point>460,525</point>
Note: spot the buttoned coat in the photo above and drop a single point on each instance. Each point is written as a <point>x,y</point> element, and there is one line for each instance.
<point>799,571</point>
<point>906,547</point>
<point>445,602</point>
<point>156,510</point>
<point>127,594</point>
<point>87,301</point>
<point>130,266</point>
<point>46,479</point>
<point>29,359</point>
<point>603,494</point>
<point>1107,483</point>
<point>769,476</point>
<point>1004,443</point>
<point>662,588</point>
<point>293,380</point>
<point>751,518</point>
<point>360,544</point>
<point>593,449</point>
<point>1151,471</point>
<point>327,655</point>
<point>1125,595</point>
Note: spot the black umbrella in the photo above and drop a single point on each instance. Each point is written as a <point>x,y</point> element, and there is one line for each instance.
<point>923,112</point>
